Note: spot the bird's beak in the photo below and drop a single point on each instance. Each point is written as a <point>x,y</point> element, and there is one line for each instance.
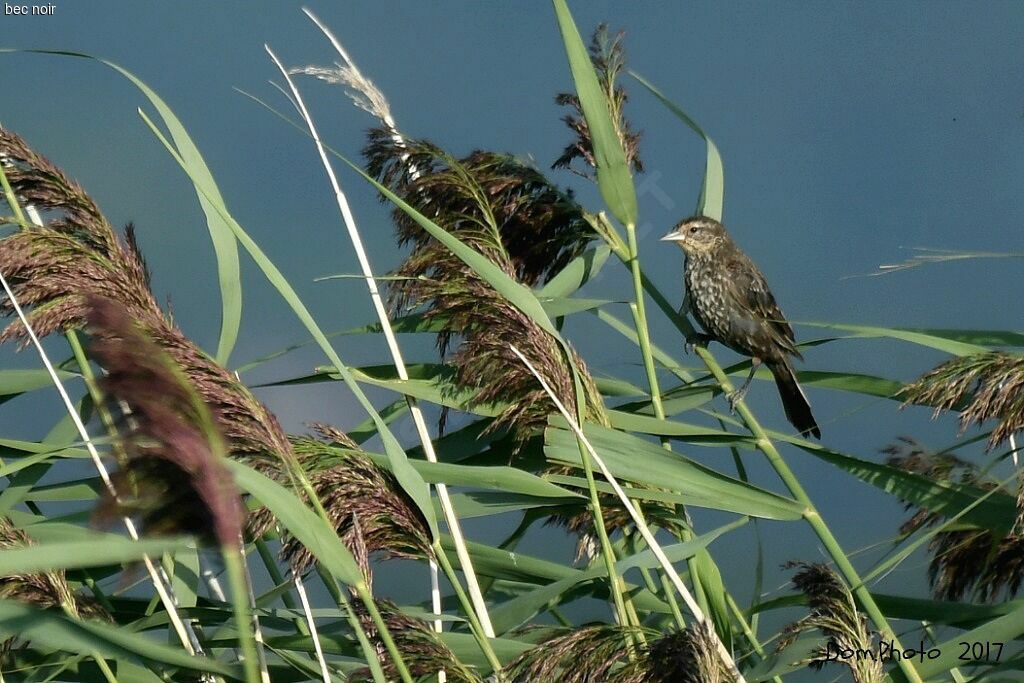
<point>674,236</point>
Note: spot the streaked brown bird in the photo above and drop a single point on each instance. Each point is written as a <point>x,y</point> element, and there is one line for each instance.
<point>729,297</point>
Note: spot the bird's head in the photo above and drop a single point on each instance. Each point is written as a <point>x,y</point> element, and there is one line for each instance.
<point>698,235</point>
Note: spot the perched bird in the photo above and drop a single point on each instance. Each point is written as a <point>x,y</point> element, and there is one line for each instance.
<point>729,297</point>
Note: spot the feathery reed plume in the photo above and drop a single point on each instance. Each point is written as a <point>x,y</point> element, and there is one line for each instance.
<point>369,510</point>
<point>686,656</point>
<point>608,58</point>
<point>521,223</point>
<point>500,206</point>
<point>47,590</point>
<point>77,254</point>
<point>600,653</point>
<point>422,649</point>
<point>42,589</point>
<point>964,561</point>
<point>360,89</point>
<point>586,654</point>
<point>666,516</point>
<point>172,479</point>
<point>982,386</point>
<point>834,613</point>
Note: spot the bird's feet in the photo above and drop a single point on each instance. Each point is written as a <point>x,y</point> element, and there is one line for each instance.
<point>734,397</point>
<point>696,339</point>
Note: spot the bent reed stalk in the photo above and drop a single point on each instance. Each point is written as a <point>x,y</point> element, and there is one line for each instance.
<point>627,503</point>
<point>392,343</point>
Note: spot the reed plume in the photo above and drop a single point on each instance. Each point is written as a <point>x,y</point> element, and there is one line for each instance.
<point>963,561</point>
<point>834,613</point>
<point>369,510</point>
<point>173,478</point>
<point>56,267</point>
<point>524,225</point>
<point>601,653</point>
<point>422,649</point>
<point>608,57</point>
<point>981,387</point>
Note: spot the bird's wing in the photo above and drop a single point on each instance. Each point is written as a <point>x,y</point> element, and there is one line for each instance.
<point>750,290</point>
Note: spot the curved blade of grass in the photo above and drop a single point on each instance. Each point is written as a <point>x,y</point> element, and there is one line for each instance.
<point>985,509</point>
<point>224,244</point>
<point>488,503</point>
<point>959,614</point>
<point>406,324</point>
<point>634,459</point>
<point>613,176</point>
<point>99,551</point>
<point>577,272</point>
<point>1001,630</point>
<point>499,478</point>
<point>934,339</point>
<point>905,552</point>
<point>308,527</point>
<point>407,478</point>
<point>992,338</point>
<point>648,424</point>
<point>712,189</point>
<point>53,629</point>
<point>428,381</point>
<point>557,307</point>
<point>792,658</point>
<point>20,381</point>
<point>517,611</point>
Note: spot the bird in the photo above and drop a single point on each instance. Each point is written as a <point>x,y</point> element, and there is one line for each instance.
<point>730,298</point>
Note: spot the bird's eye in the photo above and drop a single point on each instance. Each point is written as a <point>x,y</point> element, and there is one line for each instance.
<point>693,229</point>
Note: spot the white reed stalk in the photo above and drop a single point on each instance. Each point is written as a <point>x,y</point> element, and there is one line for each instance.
<point>377,105</point>
<point>476,595</point>
<point>186,634</point>
<point>257,630</point>
<point>300,588</point>
<point>213,585</point>
<point>666,565</point>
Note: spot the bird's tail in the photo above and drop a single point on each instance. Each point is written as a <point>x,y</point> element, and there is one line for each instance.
<point>798,408</point>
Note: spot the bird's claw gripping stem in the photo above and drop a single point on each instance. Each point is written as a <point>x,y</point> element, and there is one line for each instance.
<point>734,397</point>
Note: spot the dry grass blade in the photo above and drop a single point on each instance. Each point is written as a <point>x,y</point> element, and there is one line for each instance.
<point>983,386</point>
<point>928,255</point>
<point>965,561</point>
<point>834,613</point>
<point>608,57</point>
